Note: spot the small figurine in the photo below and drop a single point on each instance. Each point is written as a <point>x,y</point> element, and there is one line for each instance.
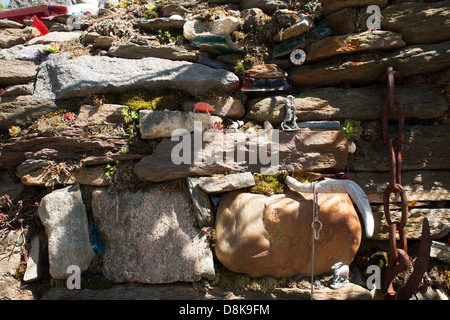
<point>290,115</point>
<point>341,272</point>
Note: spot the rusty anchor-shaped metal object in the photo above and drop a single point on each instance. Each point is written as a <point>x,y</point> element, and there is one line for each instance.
<point>398,259</point>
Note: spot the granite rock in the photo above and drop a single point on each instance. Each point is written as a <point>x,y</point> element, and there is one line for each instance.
<point>148,236</point>
<point>60,77</point>
<point>64,217</point>
<point>193,28</point>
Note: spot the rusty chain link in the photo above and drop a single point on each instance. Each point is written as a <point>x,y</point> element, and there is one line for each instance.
<point>398,258</point>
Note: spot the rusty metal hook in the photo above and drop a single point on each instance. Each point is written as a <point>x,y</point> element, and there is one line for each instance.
<point>420,266</point>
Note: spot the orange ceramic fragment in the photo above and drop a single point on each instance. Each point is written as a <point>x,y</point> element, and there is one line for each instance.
<point>203,107</point>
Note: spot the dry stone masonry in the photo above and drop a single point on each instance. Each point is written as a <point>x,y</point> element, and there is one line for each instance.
<point>142,156</point>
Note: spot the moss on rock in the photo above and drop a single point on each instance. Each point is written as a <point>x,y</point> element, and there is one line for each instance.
<point>268,184</point>
<point>237,281</point>
<point>144,100</point>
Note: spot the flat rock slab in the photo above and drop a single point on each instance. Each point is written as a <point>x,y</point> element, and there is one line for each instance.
<point>218,153</point>
<point>55,36</point>
<point>67,145</point>
<point>226,183</point>
<point>160,23</point>
<point>60,77</point>
<point>154,124</point>
<point>17,72</point>
<point>35,173</point>
<point>186,291</point>
<point>423,58</point>
<point>330,6</point>
<point>148,236</point>
<point>418,22</point>
<point>268,6</point>
<point>439,220</point>
<point>64,217</point>
<point>369,40</point>
<point>364,103</point>
<point>423,185</point>
<point>135,51</point>
<point>423,147</point>
<point>102,115</point>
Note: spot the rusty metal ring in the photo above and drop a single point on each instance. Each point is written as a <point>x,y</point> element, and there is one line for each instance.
<point>393,242</point>
<point>387,211</point>
<point>401,121</point>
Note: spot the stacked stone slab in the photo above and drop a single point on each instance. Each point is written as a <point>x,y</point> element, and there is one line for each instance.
<point>159,233</point>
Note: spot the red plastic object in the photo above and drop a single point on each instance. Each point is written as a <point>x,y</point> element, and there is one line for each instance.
<point>40,26</point>
<point>203,107</point>
<point>40,11</point>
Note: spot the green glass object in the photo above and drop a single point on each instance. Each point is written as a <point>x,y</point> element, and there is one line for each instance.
<point>217,44</point>
<point>302,41</point>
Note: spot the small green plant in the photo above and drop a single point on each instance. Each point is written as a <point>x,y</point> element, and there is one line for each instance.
<point>97,101</point>
<point>152,11</point>
<point>14,131</point>
<point>167,37</point>
<point>243,65</point>
<point>111,170</point>
<point>205,16</point>
<point>131,121</point>
<point>351,128</point>
<point>54,48</point>
<point>255,30</point>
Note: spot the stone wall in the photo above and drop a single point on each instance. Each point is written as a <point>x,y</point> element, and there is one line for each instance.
<point>88,133</point>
